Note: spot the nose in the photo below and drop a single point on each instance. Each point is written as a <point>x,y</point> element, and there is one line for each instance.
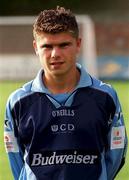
<point>55,52</point>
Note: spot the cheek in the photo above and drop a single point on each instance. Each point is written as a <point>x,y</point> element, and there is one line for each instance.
<point>72,53</point>
<point>44,59</point>
<point>43,55</point>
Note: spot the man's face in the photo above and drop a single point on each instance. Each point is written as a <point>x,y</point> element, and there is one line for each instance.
<point>57,52</point>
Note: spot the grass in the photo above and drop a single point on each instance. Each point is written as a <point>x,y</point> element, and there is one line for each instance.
<point>6,88</point>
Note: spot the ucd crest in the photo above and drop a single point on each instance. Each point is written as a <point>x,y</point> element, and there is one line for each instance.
<point>54,128</point>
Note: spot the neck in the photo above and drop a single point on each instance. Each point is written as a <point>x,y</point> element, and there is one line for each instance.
<point>61,84</point>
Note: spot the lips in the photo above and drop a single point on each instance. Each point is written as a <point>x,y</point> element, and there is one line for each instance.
<point>56,63</point>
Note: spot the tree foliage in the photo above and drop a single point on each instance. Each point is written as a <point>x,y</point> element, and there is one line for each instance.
<point>32,7</point>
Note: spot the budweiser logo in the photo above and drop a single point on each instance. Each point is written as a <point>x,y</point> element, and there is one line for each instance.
<point>74,158</point>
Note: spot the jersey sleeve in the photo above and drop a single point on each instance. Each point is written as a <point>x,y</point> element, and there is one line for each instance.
<point>12,146</point>
<point>117,142</point>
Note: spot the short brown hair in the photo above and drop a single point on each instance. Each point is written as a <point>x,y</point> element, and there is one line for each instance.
<point>56,21</point>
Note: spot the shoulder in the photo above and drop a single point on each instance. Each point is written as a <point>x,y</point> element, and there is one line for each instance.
<point>20,93</point>
<point>104,87</point>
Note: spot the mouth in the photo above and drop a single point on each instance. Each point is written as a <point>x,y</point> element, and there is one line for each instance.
<point>56,63</point>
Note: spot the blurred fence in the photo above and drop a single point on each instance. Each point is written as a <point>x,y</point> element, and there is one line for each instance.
<point>104,53</point>
<point>17,58</point>
<point>112,44</point>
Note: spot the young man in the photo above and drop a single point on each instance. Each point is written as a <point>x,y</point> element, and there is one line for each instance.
<point>64,124</point>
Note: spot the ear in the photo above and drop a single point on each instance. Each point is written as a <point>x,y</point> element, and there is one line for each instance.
<point>78,45</point>
<point>35,47</point>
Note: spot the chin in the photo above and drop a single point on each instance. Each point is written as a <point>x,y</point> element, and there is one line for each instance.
<point>58,73</point>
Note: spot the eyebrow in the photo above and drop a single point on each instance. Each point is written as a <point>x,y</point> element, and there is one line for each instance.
<point>65,44</point>
<point>60,44</point>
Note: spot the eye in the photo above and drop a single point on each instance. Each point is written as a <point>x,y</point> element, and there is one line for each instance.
<point>47,46</point>
<point>65,44</point>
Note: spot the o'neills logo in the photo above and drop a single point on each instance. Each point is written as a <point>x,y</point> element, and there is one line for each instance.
<point>63,112</point>
<point>39,160</point>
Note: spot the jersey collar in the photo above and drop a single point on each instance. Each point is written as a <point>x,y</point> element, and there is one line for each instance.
<point>38,86</point>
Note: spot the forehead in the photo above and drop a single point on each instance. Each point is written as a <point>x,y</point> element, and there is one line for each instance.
<point>55,38</point>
